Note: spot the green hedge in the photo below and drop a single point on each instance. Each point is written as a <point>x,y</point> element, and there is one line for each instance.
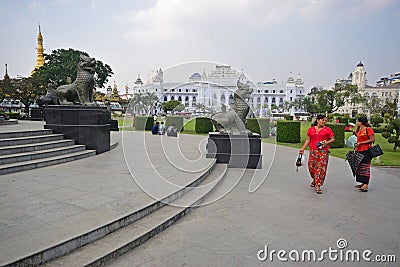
<point>338,131</point>
<point>353,120</point>
<point>344,120</point>
<point>144,123</point>
<point>203,125</point>
<point>174,120</point>
<point>288,118</point>
<point>260,126</point>
<point>14,115</point>
<point>379,130</point>
<point>288,132</point>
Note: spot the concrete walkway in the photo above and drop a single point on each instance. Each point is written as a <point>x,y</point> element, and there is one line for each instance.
<point>42,207</point>
<point>285,213</point>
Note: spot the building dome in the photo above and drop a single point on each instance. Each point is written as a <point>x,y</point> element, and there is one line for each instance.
<point>195,75</point>
<point>290,79</point>
<point>360,64</point>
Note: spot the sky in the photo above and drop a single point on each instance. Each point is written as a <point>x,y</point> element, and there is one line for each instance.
<point>321,39</point>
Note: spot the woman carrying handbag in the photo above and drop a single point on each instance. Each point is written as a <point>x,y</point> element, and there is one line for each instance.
<point>319,137</point>
<point>365,138</point>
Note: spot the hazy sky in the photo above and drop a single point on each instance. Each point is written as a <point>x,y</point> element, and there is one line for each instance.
<point>321,39</point>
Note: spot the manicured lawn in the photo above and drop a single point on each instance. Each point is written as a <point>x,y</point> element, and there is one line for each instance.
<point>390,158</point>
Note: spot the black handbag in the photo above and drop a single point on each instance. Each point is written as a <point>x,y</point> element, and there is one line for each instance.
<point>374,150</point>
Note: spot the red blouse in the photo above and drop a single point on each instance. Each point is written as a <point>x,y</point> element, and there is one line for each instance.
<point>324,134</point>
<point>362,137</point>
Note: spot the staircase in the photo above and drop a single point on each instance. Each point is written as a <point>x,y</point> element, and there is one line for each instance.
<point>106,243</point>
<point>20,151</point>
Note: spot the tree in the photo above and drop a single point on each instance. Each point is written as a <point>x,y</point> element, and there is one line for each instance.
<point>332,100</point>
<point>28,90</point>
<point>173,105</point>
<point>62,63</point>
<point>374,105</point>
<point>393,133</point>
<point>391,106</point>
<point>387,117</point>
<point>376,120</point>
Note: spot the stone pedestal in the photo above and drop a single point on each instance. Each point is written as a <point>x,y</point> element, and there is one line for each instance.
<point>88,126</point>
<point>36,114</point>
<point>237,150</point>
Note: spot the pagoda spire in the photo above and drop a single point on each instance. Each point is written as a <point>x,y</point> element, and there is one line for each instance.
<point>40,56</point>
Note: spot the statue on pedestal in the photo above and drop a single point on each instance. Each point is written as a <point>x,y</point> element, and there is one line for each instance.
<point>80,92</point>
<point>234,120</point>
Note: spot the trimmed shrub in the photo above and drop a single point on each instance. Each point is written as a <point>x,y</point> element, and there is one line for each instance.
<point>343,120</point>
<point>203,125</point>
<point>174,120</point>
<point>144,123</point>
<point>338,131</point>
<point>353,120</point>
<point>13,115</point>
<point>288,118</point>
<point>379,130</point>
<point>288,132</point>
<point>260,126</point>
<point>376,120</point>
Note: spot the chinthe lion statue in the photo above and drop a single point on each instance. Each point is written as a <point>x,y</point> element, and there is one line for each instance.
<point>234,120</point>
<point>80,92</point>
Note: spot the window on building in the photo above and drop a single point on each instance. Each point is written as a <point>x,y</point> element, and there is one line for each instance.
<point>172,90</point>
<point>291,99</point>
<point>281,91</point>
<point>194,90</point>
<point>258,91</point>
<point>291,91</point>
<point>186,101</point>
<point>273,100</point>
<point>281,100</point>
<point>258,100</point>
<point>273,91</point>
<point>156,89</point>
<point>266,91</point>
<point>165,99</point>
<point>383,93</point>
<point>180,99</point>
<point>194,101</point>
<point>165,90</point>
<point>187,90</point>
<point>223,99</point>
<point>172,98</point>
<point>180,90</point>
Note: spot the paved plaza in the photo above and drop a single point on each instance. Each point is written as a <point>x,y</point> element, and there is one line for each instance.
<point>42,207</point>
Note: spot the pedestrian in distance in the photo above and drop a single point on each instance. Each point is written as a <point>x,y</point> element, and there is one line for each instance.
<point>161,129</point>
<point>154,129</point>
<point>319,136</point>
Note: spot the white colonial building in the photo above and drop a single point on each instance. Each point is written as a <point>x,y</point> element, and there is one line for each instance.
<point>386,89</point>
<point>217,88</point>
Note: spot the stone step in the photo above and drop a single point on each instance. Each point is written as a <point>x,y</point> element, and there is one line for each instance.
<point>114,245</point>
<point>35,146</point>
<point>5,135</point>
<point>30,139</point>
<point>40,154</point>
<point>38,163</point>
<point>46,254</point>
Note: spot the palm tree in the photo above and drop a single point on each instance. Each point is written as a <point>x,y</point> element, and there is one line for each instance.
<point>149,102</point>
<point>286,105</point>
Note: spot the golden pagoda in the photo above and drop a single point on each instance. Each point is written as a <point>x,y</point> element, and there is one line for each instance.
<point>40,57</point>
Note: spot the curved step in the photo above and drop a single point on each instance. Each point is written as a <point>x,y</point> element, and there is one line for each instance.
<point>38,163</point>
<point>35,146</point>
<point>30,139</point>
<point>47,254</point>
<point>40,154</point>
<point>114,245</point>
<point>4,135</point>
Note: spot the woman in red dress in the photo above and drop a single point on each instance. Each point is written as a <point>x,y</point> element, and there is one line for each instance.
<point>365,137</point>
<point>319,137</point>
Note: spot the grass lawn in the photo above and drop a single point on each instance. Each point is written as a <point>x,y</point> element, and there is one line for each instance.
<point>390,158</point>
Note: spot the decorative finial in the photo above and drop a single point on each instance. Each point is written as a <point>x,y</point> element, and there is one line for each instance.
<point>6,69</point>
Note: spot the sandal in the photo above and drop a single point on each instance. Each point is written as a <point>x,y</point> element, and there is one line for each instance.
<point>312,185</point>
<point>320,192</point>
<point>363,189</point>
<point>358,186</point>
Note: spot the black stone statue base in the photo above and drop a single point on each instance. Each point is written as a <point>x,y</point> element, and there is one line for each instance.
<point>237,150</point>
<point>88,126</point>
<point>36,114</point>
